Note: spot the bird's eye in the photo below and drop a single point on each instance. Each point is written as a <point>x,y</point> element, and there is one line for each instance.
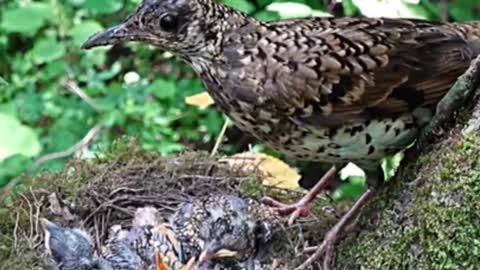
<point>169,22</point>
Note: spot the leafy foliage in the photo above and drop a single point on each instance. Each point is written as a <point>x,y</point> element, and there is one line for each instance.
<point>52,92</point>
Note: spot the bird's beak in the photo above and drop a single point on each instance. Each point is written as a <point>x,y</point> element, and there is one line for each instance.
<point>48,228</point>
<point>213,251</point>
<point>48,225</point>
<point>159,262</point>
<point>45,222</point>
<point>126,31</point>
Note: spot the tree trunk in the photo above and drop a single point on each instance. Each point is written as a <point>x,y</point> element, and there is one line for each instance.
<point>428,216</point>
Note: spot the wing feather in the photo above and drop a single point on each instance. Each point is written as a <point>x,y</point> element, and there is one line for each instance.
<point>345,68</point>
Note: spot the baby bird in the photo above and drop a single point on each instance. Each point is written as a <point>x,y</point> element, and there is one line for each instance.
<point>71,249</point>
<point>156,242</point>
<point>119,254</point>
<point>213,232</point>
<point>222,227</point>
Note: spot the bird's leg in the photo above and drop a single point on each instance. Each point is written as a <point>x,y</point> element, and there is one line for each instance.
<point>302,207</point>
<point>327,248</point>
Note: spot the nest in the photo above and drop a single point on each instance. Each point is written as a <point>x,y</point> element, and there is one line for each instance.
<point>96,194</point>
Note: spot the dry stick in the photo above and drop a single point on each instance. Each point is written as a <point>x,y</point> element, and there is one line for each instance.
<point>443,10</point>
<point>84,143</point>
<point>30,214</point>
<point>15,231</point>
<point>220,137</point>
<point>73,87</point>
<point>37,240</point>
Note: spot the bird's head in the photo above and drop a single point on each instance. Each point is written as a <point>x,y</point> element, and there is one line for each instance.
<point>69,248</point>
<point>190,28</point>
<point>232,238</point>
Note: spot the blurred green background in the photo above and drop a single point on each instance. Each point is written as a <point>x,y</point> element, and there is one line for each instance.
<point>52,94</point>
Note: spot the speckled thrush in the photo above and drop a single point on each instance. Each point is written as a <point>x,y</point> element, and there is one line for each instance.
<point>320,89</point>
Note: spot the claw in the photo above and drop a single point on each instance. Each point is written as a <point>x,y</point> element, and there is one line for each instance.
<point>327,248</point>
<point>302,207</point>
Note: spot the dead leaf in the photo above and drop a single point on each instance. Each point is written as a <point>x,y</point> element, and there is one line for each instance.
<point>145,216</point>
<point>276,172</point>
<point>202,100</point>
<point>57,209</point>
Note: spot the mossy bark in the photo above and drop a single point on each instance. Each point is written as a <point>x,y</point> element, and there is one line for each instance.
<point>428,216</point>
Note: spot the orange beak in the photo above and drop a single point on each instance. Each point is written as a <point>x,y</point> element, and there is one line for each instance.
<point>159,261</point>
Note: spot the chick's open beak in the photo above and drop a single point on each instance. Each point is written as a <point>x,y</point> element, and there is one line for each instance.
<point>208,255</point>
<point>159,262</point>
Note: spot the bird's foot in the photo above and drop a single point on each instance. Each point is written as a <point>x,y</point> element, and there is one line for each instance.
<point>297,210</point>
<point>302,207</point>
<point>327,248</point>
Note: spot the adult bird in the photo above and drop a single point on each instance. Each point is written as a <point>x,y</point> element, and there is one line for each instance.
<point>71,249</point>
<point>332,90</point>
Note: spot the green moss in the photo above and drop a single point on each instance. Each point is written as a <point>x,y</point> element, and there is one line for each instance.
<point>429,218</point>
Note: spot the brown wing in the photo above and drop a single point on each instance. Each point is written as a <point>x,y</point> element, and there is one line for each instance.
<point>341,69</point>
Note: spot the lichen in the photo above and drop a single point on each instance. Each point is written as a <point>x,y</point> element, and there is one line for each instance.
<point>427,218</point>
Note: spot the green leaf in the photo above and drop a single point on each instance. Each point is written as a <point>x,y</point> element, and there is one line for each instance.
<point>9,108</point>
<point>29,106</point>
<point>27,19</point>
<point>264,3</point>
<point>267,16</point>
<point>392,9</point>
<point>349,7</point>
<point>320,13</point>
<point>390,165</point>
<point>47,50</point>
<point>349,191</point>
<point>162,89</point>
<point>464,10</point>
<point>167,148</point>
<point>3,82</point>
<point>242,5</point>
<point>213,122</point>
<point>82,31</point>
<point>103,7</point>
<point>289,10</point>
<point>13,167</point>
<point>16,138</point>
